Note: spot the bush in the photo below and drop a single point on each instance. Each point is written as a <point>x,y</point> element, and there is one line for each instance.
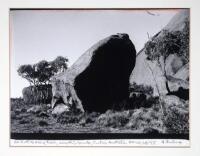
<point>73,117</point>
<point>24,121</point>
<point>113,119</point>
<point>143,120</point>
<point>177,120</point>
<point>141,96</point>
<point>69,117</point>
<point>141,89</point>
<point>43,123</point>
<point>146,120</point>
<point>90,117</point>
<point>16,103</point>
<point>176,42</point>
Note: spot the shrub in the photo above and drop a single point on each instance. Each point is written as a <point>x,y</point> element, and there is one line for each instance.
<point>16,103</point>
<point>91,117</point>
<point>43,123</point>
<point>24,121</point>
<point>146,120</point>
<point>69,117</point>
<point>143,120</point>
<point>141,88</point>
<point>177,120</point>
<point>141,96</point>
<point>113,119</point>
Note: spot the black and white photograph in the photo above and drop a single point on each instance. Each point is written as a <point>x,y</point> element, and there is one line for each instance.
<point>100,74</point>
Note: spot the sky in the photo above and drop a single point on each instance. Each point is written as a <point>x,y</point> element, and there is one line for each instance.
<point>45,34</point>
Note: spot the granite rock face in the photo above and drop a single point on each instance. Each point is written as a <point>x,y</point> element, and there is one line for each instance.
<point>99,79</point>
<point>35,95</point>
<point>148,73</point>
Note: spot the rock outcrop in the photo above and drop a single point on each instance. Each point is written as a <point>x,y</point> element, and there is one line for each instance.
<point>37,95</point>
<point>99,79</point>
<point>59,109</point>
<point>148,73</point>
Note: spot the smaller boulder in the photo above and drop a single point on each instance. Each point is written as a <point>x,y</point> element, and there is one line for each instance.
<point>171,100</point>
<point>59,109</point>
<point>35,109</point>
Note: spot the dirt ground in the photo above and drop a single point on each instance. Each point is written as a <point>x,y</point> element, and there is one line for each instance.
<point>44,122</point>
<point>141,120</point>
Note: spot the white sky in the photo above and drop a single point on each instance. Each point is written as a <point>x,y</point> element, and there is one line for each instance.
<point>45,34</point>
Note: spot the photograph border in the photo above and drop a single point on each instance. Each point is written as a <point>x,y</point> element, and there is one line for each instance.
<point>193,150</point>
<point>75,137</point>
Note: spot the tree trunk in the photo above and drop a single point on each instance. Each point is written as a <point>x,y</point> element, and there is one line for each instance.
<point>153,78</point>
<point>167,86</point>
<point>162,107</point>
<point>166,79</point>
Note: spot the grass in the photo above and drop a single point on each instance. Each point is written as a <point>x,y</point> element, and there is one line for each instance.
<point>138,120</point>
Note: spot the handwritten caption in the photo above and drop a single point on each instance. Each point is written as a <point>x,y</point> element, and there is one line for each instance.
<point>132,142</point>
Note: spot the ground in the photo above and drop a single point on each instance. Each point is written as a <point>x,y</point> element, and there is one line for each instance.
<point>139,120</point>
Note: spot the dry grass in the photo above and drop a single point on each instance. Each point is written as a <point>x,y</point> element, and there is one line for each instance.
<point>142,120</point>
<point>139,120</point>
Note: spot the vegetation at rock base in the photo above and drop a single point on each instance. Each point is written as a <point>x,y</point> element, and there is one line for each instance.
<point>137,120</point>
<point>141,89</point>
<point>177,119</point>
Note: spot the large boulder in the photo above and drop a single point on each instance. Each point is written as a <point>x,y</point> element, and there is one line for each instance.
<point>37,95</point>
<point>99,79</point>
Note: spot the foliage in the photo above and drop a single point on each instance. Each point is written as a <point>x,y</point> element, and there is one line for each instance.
<point>141,88</point>
<point>41,72</point>
<point>185,41</point>
<point>168,42</point>
<point>69,117</point>
<point>177,120</point>
<point>59,64</point>
<point>44,71</point>
<point>28,72</point>
<point>140,96</point>
<point>113,119</point>
<point>43,123</point>
<point>143,120</point>
<point>175,42</point>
